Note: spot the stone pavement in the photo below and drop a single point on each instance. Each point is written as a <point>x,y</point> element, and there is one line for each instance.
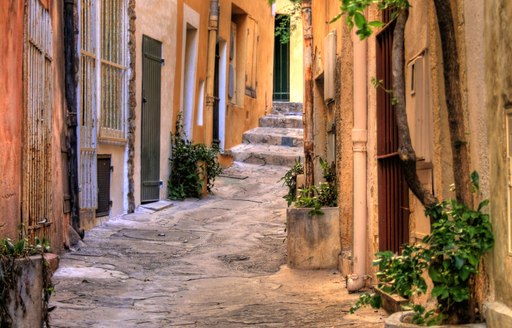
<point>214,262</point>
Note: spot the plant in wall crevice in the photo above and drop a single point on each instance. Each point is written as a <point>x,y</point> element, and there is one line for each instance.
<point>191,166</point>
<point>10,272</point>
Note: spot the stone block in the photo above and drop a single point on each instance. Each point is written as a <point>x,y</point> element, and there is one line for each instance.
<point>313,241</point>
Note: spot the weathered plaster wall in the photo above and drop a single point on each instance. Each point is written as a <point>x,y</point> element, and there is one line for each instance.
<point>11,105</point>
<point>498,78</point>
<point>246,113</point>
<point>157,19</point>
<point>296,51</point>
<point>59,156</point>
<point>11,125</point>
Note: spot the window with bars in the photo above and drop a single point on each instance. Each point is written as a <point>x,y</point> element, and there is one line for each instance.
<point>113,68</point>
<point>37,143</point>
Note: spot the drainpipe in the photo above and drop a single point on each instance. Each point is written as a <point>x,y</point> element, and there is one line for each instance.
<point>210,78</point>
<point>357,279</point>
<point>71,84</point>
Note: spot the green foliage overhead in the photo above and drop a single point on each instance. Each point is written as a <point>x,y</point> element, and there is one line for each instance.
<point>354,12</point>
<point>189,164</point>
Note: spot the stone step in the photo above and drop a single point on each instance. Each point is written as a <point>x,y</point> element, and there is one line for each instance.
<point>281,121</point>
<point>286,108</point>
<point>275,136</point>
<point>266,154</point>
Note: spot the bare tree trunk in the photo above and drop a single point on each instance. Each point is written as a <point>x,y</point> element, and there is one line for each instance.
<point>405,149</point>
<point>453,95</point>
<point>308,93</point>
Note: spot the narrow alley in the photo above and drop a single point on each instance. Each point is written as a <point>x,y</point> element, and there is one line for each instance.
<point>214,262</point>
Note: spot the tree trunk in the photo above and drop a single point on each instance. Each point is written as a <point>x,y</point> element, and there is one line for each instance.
<point>405,149</point>
<point>308,93</point>
<point>453,96</point>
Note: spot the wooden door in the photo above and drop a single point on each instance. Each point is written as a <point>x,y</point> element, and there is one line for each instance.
<point>150,119</point>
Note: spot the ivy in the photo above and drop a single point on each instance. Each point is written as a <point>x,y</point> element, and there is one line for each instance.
<point>189,164</point>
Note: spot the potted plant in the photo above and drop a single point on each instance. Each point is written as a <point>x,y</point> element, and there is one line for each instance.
<point>450,255</point>
<point>25,283</point>
<point>193,167</point>
<point>313,231</point>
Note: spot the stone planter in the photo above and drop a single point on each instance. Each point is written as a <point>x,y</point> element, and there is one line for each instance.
<point>390,303</point>
<point>396,321</point>
<point>25,304</point>
<point>313,241</point>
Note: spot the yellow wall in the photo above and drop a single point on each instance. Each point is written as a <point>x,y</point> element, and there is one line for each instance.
<point>498,37</point>
<point>296,50</point>
<point>156,19</point>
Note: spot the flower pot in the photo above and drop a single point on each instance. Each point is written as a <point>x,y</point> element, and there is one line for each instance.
<point>399,320</point>
<point>313,241</point>
<point>25,304</point>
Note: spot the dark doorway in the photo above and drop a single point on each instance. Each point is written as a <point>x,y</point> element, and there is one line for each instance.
<point>150,119</point>
<point>103,174</point>
<point>393,190</point>
<point>282,59</point>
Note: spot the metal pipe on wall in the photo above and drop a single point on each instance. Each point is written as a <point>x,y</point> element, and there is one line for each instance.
<point>357,279</point>
<point>210,73</point>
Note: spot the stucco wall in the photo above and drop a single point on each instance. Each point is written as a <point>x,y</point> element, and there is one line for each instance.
<point>296,50</point>
<point>157,20</point>
<point>246,113</point>
<point>498,78</point>
<point>11,104</point>
<point>12,108</point>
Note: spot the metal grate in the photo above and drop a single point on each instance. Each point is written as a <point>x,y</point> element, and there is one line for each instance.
<point>37,145</point>
<point>104,169</point>
<point>113,69</point>
<point>88,97</point>
<point>393,190</point>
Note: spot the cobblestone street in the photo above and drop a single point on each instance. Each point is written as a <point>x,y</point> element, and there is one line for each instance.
<point>214,262</point>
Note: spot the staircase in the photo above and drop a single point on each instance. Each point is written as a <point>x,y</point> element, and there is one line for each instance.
<point>277,141</point>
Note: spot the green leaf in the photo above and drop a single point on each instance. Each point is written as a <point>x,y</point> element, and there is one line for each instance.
<point>434,274</point>
<point>359,20</point>
<point>440,292</point>
<point>459,262</point>
<point>376,24</point>
<point>337,17</point>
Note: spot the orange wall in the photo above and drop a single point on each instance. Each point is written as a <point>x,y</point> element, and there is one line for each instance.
<point>11,110</point>
<point>11,104</point>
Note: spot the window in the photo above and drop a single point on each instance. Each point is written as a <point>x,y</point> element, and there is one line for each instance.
<point>37,145</point>
<point>251,58</point>
<point>113,69</point>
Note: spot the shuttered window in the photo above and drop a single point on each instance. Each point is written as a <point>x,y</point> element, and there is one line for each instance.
<point>88,105</point>
<point>37,143</point>
<point>113,69</point>
<point>251,58</point>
